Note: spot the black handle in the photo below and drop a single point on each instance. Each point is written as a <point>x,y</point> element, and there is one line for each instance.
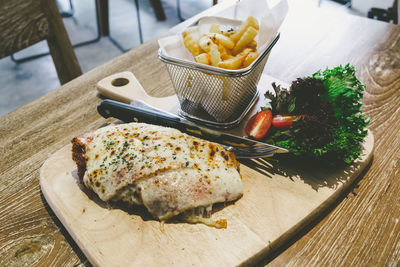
<point>128,113</point>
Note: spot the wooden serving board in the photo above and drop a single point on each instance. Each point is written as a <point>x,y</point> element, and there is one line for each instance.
<point>280,198</point>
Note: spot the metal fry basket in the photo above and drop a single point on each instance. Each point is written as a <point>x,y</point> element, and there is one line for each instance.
<point>214,96</point>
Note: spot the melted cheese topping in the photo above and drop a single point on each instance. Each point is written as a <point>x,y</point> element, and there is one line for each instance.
<point>166,170</point>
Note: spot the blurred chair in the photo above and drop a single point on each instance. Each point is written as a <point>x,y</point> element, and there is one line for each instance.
<point>388,15</point>
<point>27,22</point>
<point>178,8</point>
<point>68,14</point>
<point>158,9</point>
<point>347,3</point>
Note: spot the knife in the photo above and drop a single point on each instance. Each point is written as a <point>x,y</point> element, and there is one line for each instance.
<point>128,113</point>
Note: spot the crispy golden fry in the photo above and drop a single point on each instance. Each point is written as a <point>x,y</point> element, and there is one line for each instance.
<point>211,48</point>
<point>215,55</point>
<point>233,49</point>
<point>235,62</point>
<point>221,39</point>
<point>222,49</point>
<point>225,54</point>
<point>249,59</point>
<point>246,38</point>
<point>253,45</point>
<point>215,29</point>
<point>203,58</point>
<point>205,43</point>
<point>249,22</point>
<point>229,33</point>
<point>192,45</point>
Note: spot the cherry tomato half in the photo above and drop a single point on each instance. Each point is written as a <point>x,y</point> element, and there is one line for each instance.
<point>284,121</point>
<point>259,124</point>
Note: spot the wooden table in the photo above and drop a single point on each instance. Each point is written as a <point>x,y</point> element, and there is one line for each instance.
<point>364,227</point>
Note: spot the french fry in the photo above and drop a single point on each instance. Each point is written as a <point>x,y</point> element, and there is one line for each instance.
<point>246,38</point>
<point>229,33</point>
<point>225,54</point>
<point>215,28</point>
<point>233,49</point>
<point>212,49</point>
<point>235,62</point>
<point>249,22</point>
<point>222,39</point>
<point>205,43</point>
<point>203,58</point>
<point>249,59</point>
<point>231,64</point>
<point>215,55</point>
<point>253,45</point>
<point>192,45</point>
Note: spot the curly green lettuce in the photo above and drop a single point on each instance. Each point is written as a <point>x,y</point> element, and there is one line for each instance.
<point>334,126</point>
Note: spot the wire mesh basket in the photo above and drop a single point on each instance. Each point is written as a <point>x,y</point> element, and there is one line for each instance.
<point>212,95</point>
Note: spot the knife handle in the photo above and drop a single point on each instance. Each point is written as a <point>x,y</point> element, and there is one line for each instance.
<point>127,113</point>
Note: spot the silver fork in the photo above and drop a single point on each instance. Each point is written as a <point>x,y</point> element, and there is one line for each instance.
<point>254,152</point>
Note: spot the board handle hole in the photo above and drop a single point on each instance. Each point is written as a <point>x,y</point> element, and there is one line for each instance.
<point>120,82</point>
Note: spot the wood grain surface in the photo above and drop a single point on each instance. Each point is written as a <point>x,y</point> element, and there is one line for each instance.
<point>362,230</point>
<point>23,24</point>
